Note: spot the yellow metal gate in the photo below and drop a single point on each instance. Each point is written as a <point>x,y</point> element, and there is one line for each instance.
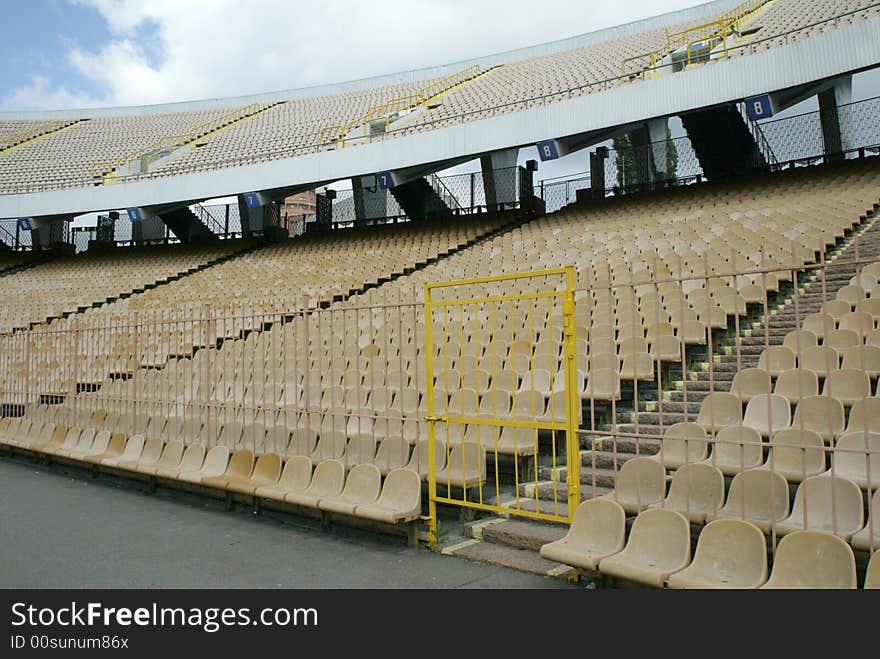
<point>503,404</point>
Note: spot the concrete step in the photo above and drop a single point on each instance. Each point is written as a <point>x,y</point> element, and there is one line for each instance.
<point>523,560</point>
<point>515,532</point>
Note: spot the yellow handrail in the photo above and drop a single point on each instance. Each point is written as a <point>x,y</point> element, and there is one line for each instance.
<point>674,40</point>
<point>169,141</point>
<point>389,109</point>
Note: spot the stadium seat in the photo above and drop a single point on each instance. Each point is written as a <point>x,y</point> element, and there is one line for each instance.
<point>266,472</point>
<point>872,574</point>
<point>295,477</point>
<point>659,545</point>
<point>720,410</point>
<point>683,443</point>
<point>639,483</point>
<point>812,559</point>
<point>327,482</point>
<point>696,491</point>
<point>768,414</point>
<point>814,502</point>
<point>240,467</point>
<point>362,488</point>
<point>735,449</point>
<point>757,495</point>
<point>730,553</point>
<point>399,501</point>
<point>856,457</point>
<point>597,531</point>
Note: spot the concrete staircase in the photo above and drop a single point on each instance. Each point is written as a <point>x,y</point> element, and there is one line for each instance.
<point>515,542</point>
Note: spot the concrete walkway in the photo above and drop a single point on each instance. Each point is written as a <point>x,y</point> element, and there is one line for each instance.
<point>61,530</point>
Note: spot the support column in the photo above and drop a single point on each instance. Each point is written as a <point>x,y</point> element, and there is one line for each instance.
<point>643,166</point>
<point>835,128</point>
<point>499,178</point>
<point>145,225</point>
<point>370,201</point>
<point>255,212</point>
<point>597,172</point>
<point>657,132</point>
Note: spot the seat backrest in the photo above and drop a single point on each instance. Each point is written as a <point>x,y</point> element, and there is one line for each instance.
<point>331,446</point>
<point>864,415</point>
<point>863,358</point>
<point>297,473</point>
<point>418,461</point>
<point>71,438</point>
<point>851,454</point>
<point>133,448</point>
<point>599,524</point>
<point>193,457</point>
<point>644,477</point>
<point>216,460</point>
<point>738,443</point>
<point>172,453</point>
<point>101,443</point>
<point>797,383</point>
<point>683,443</point>
<point>393,452</point>
<point>872,573</point>
<point>328,479</point>
<point>701,484</point>
<point>734,546</point>
<point>720,409</point>
<point>152,451</point>
<point>812,559</point>
<point>360,450</point>
<point>750,382</point>
<point>402,490</point>
<point>468,458</point>
<point>86,438</point>
<point>241,464</point>
<point>820,359</point>
<point>759,492</point>
<point>819,495</point>
<point>267,468</point>
<point>363,484</point>
<point>820,413</point>
<point>660,533</point>
<point>847,384</point>
<point>768,413</point>
<point>303,442</point>
<point>786,452</point>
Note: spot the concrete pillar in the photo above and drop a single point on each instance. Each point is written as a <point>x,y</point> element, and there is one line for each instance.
<point>597,172</point>
<point>500,178</point>
<point>145,225</point>
<point>255,212</point>
<point>45,233</point>
<point>370,201</point>
<point>643,164</point>
<point>657,130</point>
<point>835,128</point>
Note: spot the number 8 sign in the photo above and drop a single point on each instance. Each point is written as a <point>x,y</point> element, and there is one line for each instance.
<point>759,107</point>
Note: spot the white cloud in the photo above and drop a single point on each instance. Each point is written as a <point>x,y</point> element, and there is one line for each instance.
<point>210,48</point>
<point>39,95</point>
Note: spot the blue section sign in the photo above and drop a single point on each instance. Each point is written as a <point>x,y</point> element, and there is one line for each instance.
<point>25,223</point>
<point>134,214</point>
<point>759,107</point>
<point>251,200</point>
<point>548,150</point>
<point>384,180</point>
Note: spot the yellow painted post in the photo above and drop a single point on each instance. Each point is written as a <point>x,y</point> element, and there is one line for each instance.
<point>429,392</point>
<point>572,398</point>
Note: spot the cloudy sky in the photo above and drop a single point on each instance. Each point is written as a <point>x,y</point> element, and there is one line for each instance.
<point>87,53</point>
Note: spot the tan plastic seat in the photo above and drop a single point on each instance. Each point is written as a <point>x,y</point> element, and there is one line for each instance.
<point>603,384</point>
<point>863,358</point>
<point>70,441</point>
<point>864,415</point>
<point>822,360</point>
<point>759,496</point>
<point>813,507</point>
<point>796,454</point>
<point>331,446</point>
<point>362,488</point>
<point>868,539</point>
<point>266,472</point>
<point>812,559</point>
<point>731,553</point>
<point>659,545</point>
<point>683,443</point>
<point>768,414</point>
<point>696,490</point>
<point>100,444</point>
<point>750,382</point>
<point>797,384</point>
<point>400,500</point>
<point>192,460</point>
<point>133,449</point>
<point>872,573</point>
<point>214,466</point>
<point>147,459</point>
<point>799,340</point>
<point>114,449</point>
<point>393,453</point>
<point>821,414</point>
<point>327,482</point>
<point>849,386</point>
<point>240,467</point>
<point>466,467</point>
<point>82,445</point>
<point>360,449</point>
<point>418,461</point>
<point>295,477</point>
<point>719,410</point>
<point>856,457</point>
<point>735,449</point>
<point>171,456</point>
<point>776,359</point>
<point>639,483</point>
<point>598,530</point>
